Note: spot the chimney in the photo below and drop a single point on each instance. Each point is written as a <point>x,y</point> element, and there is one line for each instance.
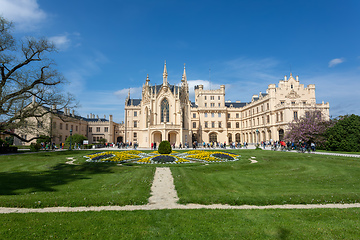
<point>73,113</point>
<point>110,118</point>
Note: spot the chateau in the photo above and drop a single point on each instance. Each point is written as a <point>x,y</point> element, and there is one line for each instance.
<point>165,112</point>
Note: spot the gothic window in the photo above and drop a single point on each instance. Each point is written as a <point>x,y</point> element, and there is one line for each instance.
<point>165,110</point>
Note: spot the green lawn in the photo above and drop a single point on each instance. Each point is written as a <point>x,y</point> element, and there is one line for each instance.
<point>277,178</point>
<point>185,224</point>
<point>43,179</point>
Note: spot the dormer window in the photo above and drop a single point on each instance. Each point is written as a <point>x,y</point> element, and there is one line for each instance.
<point>292,86</point>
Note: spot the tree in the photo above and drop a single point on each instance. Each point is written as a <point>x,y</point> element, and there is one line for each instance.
<point>344,135</point>
<point>27,74</point>
<point>43,138</point>
<point>310,128</point>
<point>76,138</point>
<point>164,147</point>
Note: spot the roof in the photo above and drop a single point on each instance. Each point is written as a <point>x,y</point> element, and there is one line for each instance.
<point>133,101</point>
<point>235,104</point>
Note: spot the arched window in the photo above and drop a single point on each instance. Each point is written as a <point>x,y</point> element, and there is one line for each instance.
<point>165,110</point>
<point>213,137</point>
<point>237,137</point>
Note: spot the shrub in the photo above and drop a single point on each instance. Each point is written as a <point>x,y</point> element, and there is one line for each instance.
<point>35,147</point>
<point>164,147</point>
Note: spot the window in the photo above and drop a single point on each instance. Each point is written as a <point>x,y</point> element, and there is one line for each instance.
<point>165,110</point>
<point>135,124</point>
<point>237,125</point>
<point>229,124</point>
<point>267,106</point>
<point>218,97</point>
<point>281,117</point>
<point>60,138</point>
<point>205,114</point>
<point>212,104</point>
<point>295,115</point>
<point>76,127</point>
<point>72,127</point>
<point>60,126</point>
<point>205,104</point>
<point>90,129</point>
<point>135,135</point>
<point>135,113</point>
<point>219,104</point>
<point>219,124</point>
<point>194,115</point>
<point>97,129</point>
<point>206,124</point>
<point>267,119</point>
<point>212,97</point>
<point>304,102</point>
<point>213,124</point>
<point>212,114</point>
<point>66,127</point>
<point>292,86</point>
<point>219,115</point>
<point>205,97</point>
<point>94,139</point>
<point>213,137</point>
<point>237,115</point>
<point>106,129</point>
<point>194,124</point>
<point>293,103</point>
<point>237,137</point>
<point>228,115</point>
<point>54,125</point>
<point>282,102</point>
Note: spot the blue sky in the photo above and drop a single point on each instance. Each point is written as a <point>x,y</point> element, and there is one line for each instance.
<point>107,47</point>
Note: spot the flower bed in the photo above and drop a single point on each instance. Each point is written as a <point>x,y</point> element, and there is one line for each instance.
<point>156,158</point>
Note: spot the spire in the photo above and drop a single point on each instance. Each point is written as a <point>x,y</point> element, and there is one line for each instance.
<point>165,75</point>
<point>184,79</point>
<point>147,80</point>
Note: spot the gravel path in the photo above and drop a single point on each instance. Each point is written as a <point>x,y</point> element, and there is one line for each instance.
<point>164,196</point>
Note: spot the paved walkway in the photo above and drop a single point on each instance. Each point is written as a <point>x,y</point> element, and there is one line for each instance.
<point>164,196</point>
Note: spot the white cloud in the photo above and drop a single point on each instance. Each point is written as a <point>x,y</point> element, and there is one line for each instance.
<point>61,42</point>
<point>336,61</point>
<point>26,14</point>
<point>123,93</point>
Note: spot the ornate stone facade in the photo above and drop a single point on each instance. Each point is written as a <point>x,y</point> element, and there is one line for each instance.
<point>165,113</point>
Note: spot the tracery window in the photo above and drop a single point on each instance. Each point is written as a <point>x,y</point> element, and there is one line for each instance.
<point>165,110</point>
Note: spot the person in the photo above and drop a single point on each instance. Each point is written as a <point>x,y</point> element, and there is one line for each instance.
<point>152,146</point>
<point>312,147</point>
<point>180,145</point>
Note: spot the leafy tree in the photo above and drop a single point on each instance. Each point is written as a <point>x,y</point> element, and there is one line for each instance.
<point>27,74</point>
<point>344,135</point>
<point>102,141</point>
<point>43,138</point>
<point>164,147</point>
<point>310,128</point>
<point>76,138</point>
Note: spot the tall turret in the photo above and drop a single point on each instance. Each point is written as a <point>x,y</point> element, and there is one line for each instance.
<point>165,75</point>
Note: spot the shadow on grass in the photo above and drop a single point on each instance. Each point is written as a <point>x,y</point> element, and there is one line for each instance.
<point>45,181</point>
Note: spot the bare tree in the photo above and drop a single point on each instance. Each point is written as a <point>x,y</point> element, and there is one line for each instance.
<point>27,74</point>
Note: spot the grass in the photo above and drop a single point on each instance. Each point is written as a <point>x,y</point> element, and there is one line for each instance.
<point>44,180</point>
<point>277,178</point>
<point>185,224</point>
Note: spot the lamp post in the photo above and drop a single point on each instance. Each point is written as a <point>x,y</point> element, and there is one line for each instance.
<point>70,138</point>
<point>257,136</point>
